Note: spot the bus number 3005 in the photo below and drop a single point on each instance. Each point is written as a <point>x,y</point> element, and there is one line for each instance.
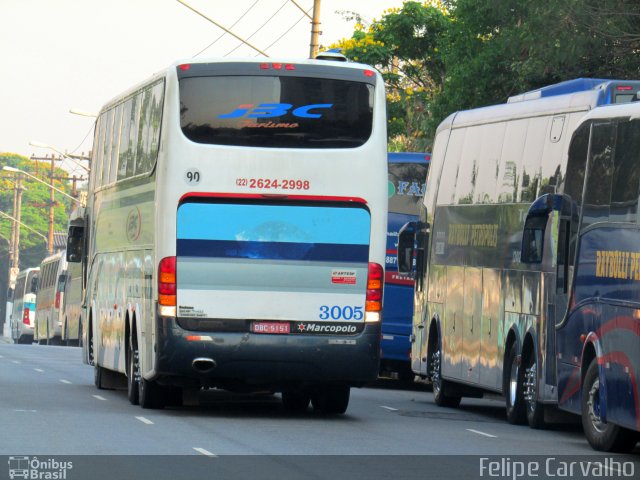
<point>285,184</point>
<point>336,312</point>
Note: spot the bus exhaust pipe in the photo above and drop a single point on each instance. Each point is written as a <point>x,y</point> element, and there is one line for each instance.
<point>203,364</point>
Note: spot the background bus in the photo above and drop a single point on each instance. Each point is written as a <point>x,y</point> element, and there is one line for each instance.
<point>53,275</point>
<point>407,177</point>
<point>216,247</point>
<point>23,314</point>
<point>484,317</point>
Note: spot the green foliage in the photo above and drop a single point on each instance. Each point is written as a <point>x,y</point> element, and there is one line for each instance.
<point>34,211</point>
<point>440,57</point>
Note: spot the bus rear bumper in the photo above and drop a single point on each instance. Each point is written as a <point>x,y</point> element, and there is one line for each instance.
<point>269,360</point>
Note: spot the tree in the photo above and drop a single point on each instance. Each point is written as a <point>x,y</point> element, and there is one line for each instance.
<point>440,57</point>
<point>34,213</point>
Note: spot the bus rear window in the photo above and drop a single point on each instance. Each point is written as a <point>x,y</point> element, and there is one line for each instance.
<point>277,112</point>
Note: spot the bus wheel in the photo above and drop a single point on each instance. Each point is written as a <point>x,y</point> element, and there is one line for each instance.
<point>600,434</point>
<point>133,375</point>
<point>295,400</point>
<point>150,394</point>
<point>331,399</point>
<point>535,409</point>
<point>441,398</point>
<point>98,373</point>
<point>514,399</point>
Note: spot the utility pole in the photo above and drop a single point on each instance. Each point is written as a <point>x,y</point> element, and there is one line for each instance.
<point>15,234</point>
<point>315,30</point>
<point>52,200</point>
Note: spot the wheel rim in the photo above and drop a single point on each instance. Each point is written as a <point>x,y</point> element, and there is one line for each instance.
<point>593,407</point>
<point>530,393</point>
<point>513,382</point>
<point>436,381</point>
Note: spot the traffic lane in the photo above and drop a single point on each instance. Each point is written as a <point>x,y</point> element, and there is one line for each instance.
<point>379,421</point>
<point>49,405</point>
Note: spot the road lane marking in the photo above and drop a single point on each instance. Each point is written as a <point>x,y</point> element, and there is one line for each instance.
<point>65,381</point>
<point>145,420</point>
<point>204,452</point>
<point>16,361</point>
<point>23,410</point>
<point>481,433</point>
<point>389,408</point>
<point>39,370</point>
<point>1,356</point>
<point>99,397</point>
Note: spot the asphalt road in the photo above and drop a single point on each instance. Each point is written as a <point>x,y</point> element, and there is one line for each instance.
<point>50,406</point>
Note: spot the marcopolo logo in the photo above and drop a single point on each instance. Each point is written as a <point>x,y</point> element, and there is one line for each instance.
<point>327,328</point>
<point>38,469</point>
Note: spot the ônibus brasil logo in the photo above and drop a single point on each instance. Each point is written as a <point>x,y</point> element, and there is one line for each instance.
<point>38,469</point>
<point>270,110</point>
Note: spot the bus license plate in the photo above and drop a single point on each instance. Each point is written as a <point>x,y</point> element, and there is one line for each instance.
<point>270,327</point>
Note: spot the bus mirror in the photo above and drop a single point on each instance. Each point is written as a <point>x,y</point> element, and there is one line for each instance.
<point>75,242</point>
<point>406,242</point>
<point>535,226</point>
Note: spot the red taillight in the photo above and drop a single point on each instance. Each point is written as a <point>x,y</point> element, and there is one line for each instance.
<point>277,66</point>
<point>369,73</point>
<point>375,281</point>
<point>167,281</point>
<point>25,317</point>
<point>58,300</point>
<point>184,67</point>
<point>624,88</point>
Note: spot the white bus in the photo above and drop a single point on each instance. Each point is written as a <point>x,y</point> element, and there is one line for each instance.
<point>53,275</point>
<point>234,232</point>
<point>23,313</point>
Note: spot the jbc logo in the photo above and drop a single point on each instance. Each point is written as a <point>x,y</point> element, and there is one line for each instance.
<point>269,110</point>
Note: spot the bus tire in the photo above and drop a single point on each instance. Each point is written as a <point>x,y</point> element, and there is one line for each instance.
<point>514,398</point>
<point>440,395</point>
<point>98,373</point>
<point>332,399</point>
<point>133,375</point>
<point>535,409</point>
<point>150,394</point>
<point>295,400</point>
<point>601,435</point>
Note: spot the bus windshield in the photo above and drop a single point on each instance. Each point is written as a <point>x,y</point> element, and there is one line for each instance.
<point>272,111</point>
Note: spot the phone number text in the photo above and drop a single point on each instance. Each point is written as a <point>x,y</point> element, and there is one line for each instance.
<point>285,184</point>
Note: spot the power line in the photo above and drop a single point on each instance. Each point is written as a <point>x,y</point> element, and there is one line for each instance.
<point>220,26</point>
<point>259,28</point>
<point>288,30</point>
<point>224,33</point>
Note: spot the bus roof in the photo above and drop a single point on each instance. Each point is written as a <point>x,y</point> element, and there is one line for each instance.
<point>629,110</point>
<point>574,102</point>
<point>408,157</point>
<point>573,86</point>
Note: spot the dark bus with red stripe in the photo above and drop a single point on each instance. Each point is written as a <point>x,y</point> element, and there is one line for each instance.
<point>598,339</point>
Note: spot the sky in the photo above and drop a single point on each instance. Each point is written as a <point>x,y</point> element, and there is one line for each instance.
<point>59,55</point>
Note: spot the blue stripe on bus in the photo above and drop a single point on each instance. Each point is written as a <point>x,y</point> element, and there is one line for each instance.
<point>274,223</point>
<point>327,252</point>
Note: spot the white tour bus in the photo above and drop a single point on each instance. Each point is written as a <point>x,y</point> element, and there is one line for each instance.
<point>23,314</point>
<point>53,275</point>
<point>234,232</point>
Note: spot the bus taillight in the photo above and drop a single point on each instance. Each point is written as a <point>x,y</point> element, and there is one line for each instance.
<point>373,300</point>
<point>167,285</point>
<point>25,316</point>
<point>58,300</point>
